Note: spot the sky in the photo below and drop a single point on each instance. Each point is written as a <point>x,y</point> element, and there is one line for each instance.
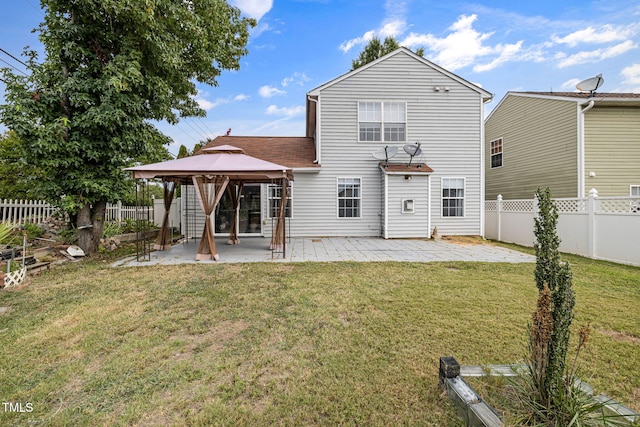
<point>298,45</point>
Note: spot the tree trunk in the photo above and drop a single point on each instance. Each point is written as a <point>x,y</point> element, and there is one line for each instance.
<point>90,220</point>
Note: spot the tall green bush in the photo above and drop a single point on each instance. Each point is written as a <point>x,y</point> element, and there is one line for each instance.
<point>555,275</point>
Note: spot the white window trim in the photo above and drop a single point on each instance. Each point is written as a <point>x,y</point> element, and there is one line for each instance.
<point>501,152</point>
<point>338,199</point>
<point>413,206</point>
<point>290,198</point>
<point>464,198</point>
<point>382,121</point>
<point>631,187</point>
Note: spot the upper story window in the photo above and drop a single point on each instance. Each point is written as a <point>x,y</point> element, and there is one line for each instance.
<point>382,121</point>
<point>496,153</point>
<point>634,190</point>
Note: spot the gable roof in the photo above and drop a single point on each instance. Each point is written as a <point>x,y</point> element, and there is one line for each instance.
<point>295,152</point>
<point>486,96</point>
<point>608,99</point>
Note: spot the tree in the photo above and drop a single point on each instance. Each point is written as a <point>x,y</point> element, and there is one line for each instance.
<point>375,49</point>
<point>182,152</point>
<point>110,68</point>
<point>16,176</point>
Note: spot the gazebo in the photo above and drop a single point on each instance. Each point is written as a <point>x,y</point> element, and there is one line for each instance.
<point>218,169</point>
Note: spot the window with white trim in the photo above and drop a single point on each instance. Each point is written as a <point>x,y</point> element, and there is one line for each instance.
<point>452,197</point>
<point>634,190</point>
<point>349,197</point>
<point>274,196</point>
<point>496,153</point>
<point>382,121</point>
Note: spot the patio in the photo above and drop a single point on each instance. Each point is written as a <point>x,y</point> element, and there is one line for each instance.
<point>328,249</point>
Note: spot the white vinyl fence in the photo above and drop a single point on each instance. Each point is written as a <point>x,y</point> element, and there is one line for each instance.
<point>19,212</point>
<point>606,228</point>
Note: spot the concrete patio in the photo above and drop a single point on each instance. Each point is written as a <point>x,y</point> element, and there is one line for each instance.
<point>328,249</point>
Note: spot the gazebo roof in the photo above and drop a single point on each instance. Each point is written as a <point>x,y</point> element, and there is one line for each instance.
<point>224,160</point>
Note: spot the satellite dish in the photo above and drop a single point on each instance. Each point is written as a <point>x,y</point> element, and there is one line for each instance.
<point>590,85</point>
<point>385,153</point>
<point>412,150</point>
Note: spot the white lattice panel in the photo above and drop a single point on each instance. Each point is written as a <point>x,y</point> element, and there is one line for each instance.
<point>491,205</point>
<point>571,205</point>
<point>517,206</point>
<point>15,278</point>
<point>618,205</point>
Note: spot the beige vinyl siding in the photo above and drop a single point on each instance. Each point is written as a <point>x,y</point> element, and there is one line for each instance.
<point>447,123</point>
<point>612,149</point>
<point>539,138</point>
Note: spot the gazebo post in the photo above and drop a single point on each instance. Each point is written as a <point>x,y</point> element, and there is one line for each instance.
<point>164,236</point>
<point>235,192</point>
<point>209,198</point>
<point>278,237</point>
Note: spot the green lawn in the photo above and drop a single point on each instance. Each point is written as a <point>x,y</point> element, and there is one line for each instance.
<point>287,344</point>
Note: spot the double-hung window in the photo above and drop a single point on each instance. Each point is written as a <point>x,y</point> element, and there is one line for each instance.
<point>452,197</point>
<point>274,196</point>
<point>634,190</point>
<point>382,121</point>
<point>349,197</point>
<point>496,153</point>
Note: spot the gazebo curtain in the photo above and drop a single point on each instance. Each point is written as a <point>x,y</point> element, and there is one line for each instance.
<point>235,191</point>
<point>277,235</point>
<point>209,191</point>
<point>163,241</point>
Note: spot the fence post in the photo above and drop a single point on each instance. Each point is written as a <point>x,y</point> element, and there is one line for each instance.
<point>591,211</point>
<point>499,209</point>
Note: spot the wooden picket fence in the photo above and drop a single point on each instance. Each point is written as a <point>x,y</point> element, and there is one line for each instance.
<point>19,212</point>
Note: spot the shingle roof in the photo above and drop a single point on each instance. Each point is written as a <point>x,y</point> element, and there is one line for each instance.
<point>586,95</point>
<point>291,151</point>
<point>406,168</point>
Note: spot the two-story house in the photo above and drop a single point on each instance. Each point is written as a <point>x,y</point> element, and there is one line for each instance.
<point>567,141</point>
<point>343,186</point>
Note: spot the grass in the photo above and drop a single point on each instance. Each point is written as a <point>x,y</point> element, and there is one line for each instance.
<point>287,344</point>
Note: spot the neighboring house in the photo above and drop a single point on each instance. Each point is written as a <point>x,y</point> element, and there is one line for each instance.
<point>569,142</point>
<point>340,189</point>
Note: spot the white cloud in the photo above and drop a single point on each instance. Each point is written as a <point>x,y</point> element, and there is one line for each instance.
<point>206,104</point>
<point>631,74</point>
<point>349,44</point>
<point>285,111</point>
<point>393,25</point>
<point>462,47</point>
<point>267,91</point>
<point>604,34</point>
<point>597,55</point>
<point>505,54</point>
<point>255,9</point>
<point>297,79</point>
<point>259,29</point>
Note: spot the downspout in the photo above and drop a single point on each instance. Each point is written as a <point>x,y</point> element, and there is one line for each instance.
<point>317,131</point>
<point>482,168</point>
<point>581,149</point>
